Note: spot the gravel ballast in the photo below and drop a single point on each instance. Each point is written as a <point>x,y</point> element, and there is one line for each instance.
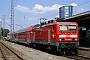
<point>35,54</point>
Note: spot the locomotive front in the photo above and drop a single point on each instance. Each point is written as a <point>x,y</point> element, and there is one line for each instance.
<point>68,37</point>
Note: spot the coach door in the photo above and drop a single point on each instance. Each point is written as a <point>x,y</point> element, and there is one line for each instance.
<point>28,38</point>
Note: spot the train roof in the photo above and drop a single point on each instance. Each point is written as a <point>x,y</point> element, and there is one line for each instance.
<point>54,23</point>
<point>10,33</point>
<point>65,23</point>
<point>38,26</point>
<point>24,29</point>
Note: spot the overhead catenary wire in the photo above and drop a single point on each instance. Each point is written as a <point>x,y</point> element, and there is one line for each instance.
<point>58,12</point>
<point>70,2</point>
<point>50,15</point>
<point>54,13</point>
<point>78,5</point>
<point>15,2</point>
<point>84,3</point>
<point>6,16</point>
<point>10,12</point>
<point>10,9</point>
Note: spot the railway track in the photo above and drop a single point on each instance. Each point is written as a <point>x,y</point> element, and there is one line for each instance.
<point>67,55</point>
<point>77,57</point>
<point>71,56</point>
<point>7,53</point>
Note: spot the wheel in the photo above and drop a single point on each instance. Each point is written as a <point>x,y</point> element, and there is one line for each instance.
<point>27,43</point>
<point>62,52</point>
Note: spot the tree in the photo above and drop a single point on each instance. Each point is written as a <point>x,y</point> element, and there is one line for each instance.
<point>1,32</point>
<point>5,31</point>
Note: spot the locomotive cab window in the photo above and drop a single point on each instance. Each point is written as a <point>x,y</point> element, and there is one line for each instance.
<point>70,28</point>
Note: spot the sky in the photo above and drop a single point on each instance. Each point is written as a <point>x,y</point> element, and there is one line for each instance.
<point>29,12</point>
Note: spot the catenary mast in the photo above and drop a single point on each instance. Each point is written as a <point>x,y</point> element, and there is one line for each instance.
<point>12,18</point>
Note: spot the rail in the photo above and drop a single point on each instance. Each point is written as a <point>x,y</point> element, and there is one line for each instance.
<point>84,52</point>
<point>4,57</point>
<point>9,53</point>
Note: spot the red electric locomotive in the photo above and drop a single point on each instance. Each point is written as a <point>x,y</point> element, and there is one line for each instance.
<point>62,36</point>
<point>59,36</point>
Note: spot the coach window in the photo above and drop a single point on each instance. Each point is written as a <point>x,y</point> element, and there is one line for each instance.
<point>16,36</point>
<point>53,28</point>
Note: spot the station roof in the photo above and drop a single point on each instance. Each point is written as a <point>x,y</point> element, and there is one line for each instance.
<point>82,19</point>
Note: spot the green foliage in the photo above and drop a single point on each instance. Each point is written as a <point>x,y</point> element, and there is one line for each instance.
<point>4,32</point>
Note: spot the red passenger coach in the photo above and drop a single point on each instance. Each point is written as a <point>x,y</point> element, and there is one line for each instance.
<point>62,36</point>
<point>24,35</point>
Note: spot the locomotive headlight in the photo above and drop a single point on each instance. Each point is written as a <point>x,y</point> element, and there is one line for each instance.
<point>62,36</point>
<point>76,39</point>
<point>73,36</point>
<point>60,39</point>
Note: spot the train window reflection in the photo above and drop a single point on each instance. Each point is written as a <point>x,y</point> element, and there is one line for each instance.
<point>67,28</point>
<point>72,28</point>
<point>63,27</point>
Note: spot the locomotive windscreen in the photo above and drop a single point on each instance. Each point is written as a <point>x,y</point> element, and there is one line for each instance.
<point>69,28</point>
